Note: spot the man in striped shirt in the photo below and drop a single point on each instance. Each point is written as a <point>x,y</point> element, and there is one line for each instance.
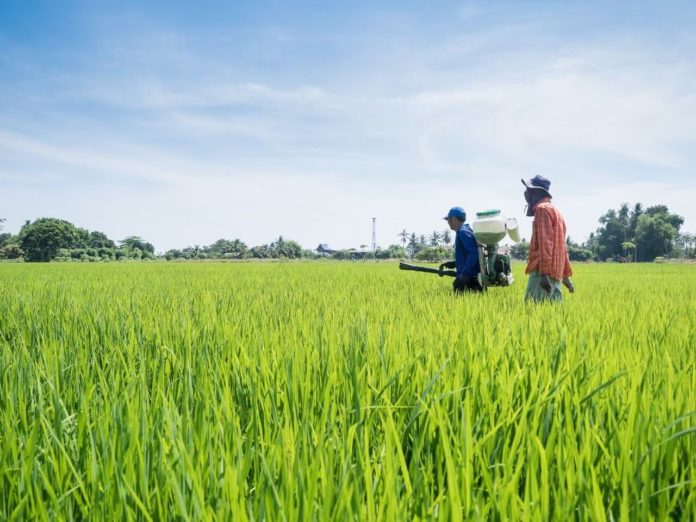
<point>548,265</point>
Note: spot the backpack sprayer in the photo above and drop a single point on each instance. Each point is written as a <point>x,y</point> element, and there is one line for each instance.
<point>489,227</point>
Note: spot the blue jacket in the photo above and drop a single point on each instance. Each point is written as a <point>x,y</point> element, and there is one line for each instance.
<point>466,256</point>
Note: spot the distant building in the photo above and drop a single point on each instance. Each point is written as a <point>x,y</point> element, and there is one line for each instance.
<point>324,250</point>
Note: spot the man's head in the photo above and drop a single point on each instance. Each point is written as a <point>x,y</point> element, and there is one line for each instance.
<point>455,217</point>
<point>536,189</point>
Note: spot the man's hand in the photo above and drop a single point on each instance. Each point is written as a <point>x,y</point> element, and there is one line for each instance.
<point>568,284</point>
<point>473,283</point>
<point>545,283</point>
<point>448,264</point>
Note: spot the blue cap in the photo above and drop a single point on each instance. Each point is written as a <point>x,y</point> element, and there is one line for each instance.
<point>538,182</point>
<point>457,212</point>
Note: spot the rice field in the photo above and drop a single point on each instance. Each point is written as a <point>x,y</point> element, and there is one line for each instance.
<point>343,391</point>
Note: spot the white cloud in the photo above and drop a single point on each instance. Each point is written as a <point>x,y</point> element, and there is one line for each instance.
<point>607,123</point>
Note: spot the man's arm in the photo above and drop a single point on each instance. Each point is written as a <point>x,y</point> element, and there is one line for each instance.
<point>447,264</point>
<point>567,272</point>
<point>471,258</point>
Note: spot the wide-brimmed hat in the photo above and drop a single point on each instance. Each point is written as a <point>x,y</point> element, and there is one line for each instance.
<point>538,183</point>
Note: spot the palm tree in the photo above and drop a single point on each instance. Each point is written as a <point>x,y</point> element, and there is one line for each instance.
<point>412,245</point>
<point>627,247</point>
<point>446,237</point>
<point>435,239</point>
<point>404,237</point>
<point>362,250</point>
<point>277,247</point>
<point>689,241</point>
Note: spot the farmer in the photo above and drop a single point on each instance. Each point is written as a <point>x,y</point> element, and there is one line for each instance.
<point>466,255</point>
<point>548,264</point>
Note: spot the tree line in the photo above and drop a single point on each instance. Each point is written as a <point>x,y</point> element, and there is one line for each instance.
<point>51,239</point>
<point>639,234</point>
<point>631,234</point>
<point>426,247</point>
<point>627,234</point>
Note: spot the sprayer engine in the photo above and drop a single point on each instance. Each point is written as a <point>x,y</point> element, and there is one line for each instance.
<point>490,227</point>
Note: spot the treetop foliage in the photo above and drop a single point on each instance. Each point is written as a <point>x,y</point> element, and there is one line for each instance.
<point>636,233</point>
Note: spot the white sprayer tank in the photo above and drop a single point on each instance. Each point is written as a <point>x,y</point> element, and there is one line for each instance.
<point>490,227</point>
<point>513,229</point>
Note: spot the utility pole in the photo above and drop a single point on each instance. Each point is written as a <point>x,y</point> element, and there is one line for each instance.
<point>374,238</point>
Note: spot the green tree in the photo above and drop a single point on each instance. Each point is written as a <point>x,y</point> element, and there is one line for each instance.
<point>652,231</point>
<point>342,254</point>
<point>41,239</point>
<point>11,251</point>
<point>610,235</point>
<point>133,243</point>
<point>99,240</point>
<point>435,239</point>
<point>261,252</point>
<point>446,237</point>
<point>591,243</point>
<point>656,231</point>
<point>686,242</point>
<point>5,238</point>
<point>520,250</point>
<point>633,220</point>
<point>435,253</point>
<point>286,248</point>
<point>412,247</point>
<point>392,252</point>
<point>577,252</point>
<point>404,238</point>
<point>661,210</point>
<point>224,248</point>
<point>623,217</point>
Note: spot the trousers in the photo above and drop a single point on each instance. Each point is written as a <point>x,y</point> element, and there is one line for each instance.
<point>535,293</point>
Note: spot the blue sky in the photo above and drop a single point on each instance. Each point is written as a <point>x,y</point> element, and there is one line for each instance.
<point>185,122</point>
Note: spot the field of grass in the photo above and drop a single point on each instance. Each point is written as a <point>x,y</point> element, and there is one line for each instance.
<point>354,391</point>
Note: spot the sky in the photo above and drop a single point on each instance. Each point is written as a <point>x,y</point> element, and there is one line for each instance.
<point>185,122</point>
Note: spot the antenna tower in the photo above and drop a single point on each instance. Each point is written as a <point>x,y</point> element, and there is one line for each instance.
<point>374,238</point>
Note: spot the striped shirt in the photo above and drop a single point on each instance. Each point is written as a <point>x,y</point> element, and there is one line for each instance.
<point>547,251</point>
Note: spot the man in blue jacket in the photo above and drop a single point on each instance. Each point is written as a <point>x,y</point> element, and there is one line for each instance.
<point>466,254</point>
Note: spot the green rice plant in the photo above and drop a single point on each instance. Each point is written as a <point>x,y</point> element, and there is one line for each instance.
<point>343,391</point>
